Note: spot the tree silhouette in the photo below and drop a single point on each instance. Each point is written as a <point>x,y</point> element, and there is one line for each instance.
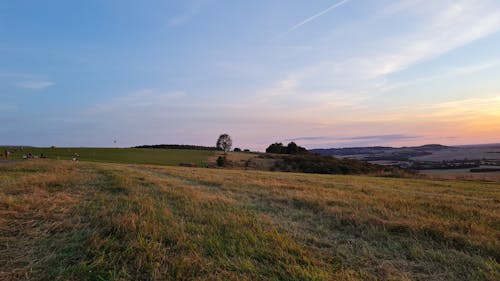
<point>224,143</point>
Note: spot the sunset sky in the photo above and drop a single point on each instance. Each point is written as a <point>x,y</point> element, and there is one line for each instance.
<point>324,73</point>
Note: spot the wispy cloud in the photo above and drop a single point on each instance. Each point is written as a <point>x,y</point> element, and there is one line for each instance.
<point>34,85</point>
<point>315,16</point>
<point>390,137</point>
<point>7,107</point>
<point>311,18</point>
<point>457,110</point>
<point>452,72</point>
<point>356,141</point>
<point>27,81</point>
<point>140,101</point>
<point>441,28</point>
<point>398,7</point>
<point>192,9</point>
<point>17,75</point>
<point>313,138</point>
<point>444,29</point>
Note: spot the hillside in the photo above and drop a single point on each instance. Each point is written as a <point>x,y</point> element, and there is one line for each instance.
<point>176,155</point>
<point>382,152</point>
<point>425,157</point>
<point>61,220</point>
<point>306,163</point>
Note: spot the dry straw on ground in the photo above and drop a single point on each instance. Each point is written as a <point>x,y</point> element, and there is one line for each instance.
<point>89,221</point>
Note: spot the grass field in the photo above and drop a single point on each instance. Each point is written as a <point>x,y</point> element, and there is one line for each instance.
<point>61,220</point>
<point>172,157</point>
<point>463,174</point>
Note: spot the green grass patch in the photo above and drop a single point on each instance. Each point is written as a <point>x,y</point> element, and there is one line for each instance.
<point>170,157</point>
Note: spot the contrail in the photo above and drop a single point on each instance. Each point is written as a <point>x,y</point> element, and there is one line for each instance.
<point>311,18</point>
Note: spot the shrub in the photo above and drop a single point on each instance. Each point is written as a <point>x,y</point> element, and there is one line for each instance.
<point>291,148</point>
<point>221,161</point>
<point>313,163</point>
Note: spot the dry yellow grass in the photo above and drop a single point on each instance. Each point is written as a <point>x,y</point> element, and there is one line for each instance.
<point>89,221</point>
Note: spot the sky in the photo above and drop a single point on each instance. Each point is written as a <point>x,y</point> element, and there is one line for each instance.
<point>322,73</point>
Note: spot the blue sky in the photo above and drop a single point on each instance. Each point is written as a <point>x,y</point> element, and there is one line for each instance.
<point>323,73</point>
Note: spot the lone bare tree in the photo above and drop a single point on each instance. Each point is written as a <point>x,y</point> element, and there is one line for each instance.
<point>224,143</point>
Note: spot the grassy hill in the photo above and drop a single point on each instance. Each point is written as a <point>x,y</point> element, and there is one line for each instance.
<point>172,157</point>
<point>309,163</point>
<point>61,220</point>
<point>202,157</point>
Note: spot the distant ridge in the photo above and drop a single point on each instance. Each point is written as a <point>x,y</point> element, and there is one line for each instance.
<point>349,150</point>
<point>430,146</point>
<point>480,145</point>
<point>375,149</point>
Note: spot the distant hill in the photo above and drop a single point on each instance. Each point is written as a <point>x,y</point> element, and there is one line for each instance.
<point>430,146</point>
<point>308,163</point>
<point>485,145</point>
<point>429,156</point>
<point>349,150</point>
<point>376,150</point>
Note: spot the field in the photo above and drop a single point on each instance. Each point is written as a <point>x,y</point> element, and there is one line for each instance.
<point>463,174</point>
<point>464,152</point>
<point>122,155</point>
<point>61,220</point>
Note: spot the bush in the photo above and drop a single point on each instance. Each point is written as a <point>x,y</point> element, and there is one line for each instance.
<point>221,161</point>
<point>291,148</point>
<point>313,163</point>
<point>277,148</point>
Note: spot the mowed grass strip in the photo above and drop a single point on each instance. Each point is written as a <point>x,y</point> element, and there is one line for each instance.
<point>88,221</point>
<point>169,157</point>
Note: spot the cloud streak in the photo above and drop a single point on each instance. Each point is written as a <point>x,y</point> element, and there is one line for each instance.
<point>453,72</point>
<point>184,17</point>
<point>362,140</point>
<point>7,107</point>
<point>34,85</point>
<point>390,137</point>
<point>27,81</point>
<point>311,18</point>
<point>331,8</point>
<point>142,101</point>
<point>439,28</point>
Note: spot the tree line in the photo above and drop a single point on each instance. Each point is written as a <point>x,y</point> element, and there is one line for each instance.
<point>291,148</point>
